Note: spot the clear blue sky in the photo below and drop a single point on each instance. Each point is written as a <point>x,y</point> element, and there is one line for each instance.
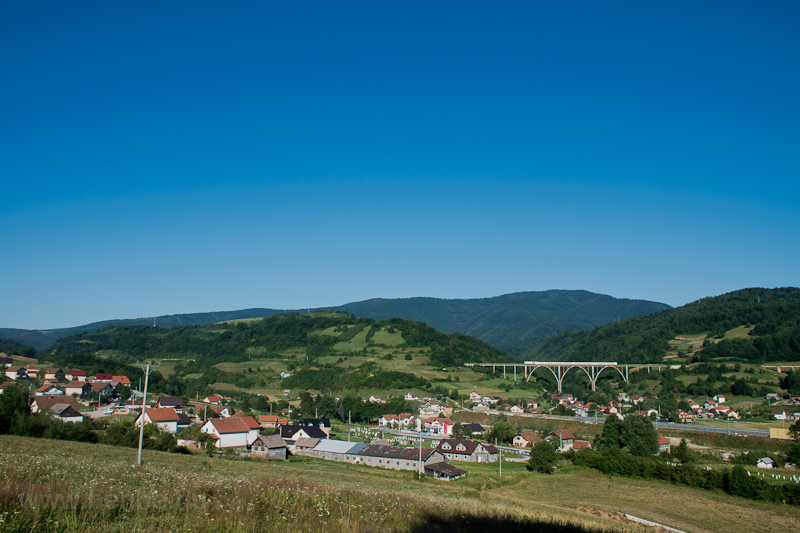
<point>174,157</point>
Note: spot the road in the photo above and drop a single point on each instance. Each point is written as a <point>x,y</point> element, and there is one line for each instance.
<point>713,429</point>
<point>658,425</point>
<point>98,413</point>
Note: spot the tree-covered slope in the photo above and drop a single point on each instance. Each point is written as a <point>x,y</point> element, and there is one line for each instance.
<point>773,313</point>
<point>513,322</point>
<point>42,339</point>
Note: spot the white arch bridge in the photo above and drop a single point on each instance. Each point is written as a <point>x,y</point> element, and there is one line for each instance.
<point>559,369</point>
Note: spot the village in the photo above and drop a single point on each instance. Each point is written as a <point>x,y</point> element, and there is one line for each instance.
<point>425,442</point>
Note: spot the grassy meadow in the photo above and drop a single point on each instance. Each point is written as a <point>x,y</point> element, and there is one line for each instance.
<point>64,486</point>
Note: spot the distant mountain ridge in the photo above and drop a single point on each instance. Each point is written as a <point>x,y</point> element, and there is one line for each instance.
<point>513,322</point>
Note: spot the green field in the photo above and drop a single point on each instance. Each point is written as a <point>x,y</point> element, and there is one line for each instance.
<point>182,493</point>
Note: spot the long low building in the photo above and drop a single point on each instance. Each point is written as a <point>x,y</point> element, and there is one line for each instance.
<point>431,461</point>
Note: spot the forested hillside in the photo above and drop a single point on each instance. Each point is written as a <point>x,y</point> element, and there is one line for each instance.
<point>513,322</point>
<point>773,317</point>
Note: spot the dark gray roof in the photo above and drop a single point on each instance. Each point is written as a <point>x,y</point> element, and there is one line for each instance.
<point>270,441</point>
<point>286,431</point>
<point>318,422</point>
<point>313,432</point>
<point>446,469</point>
<point>64,410</point>
<point>170,401</point>
<point>357,447</point>
<point>304,442</point>
<point>396,452</point>
<point>469,446</point>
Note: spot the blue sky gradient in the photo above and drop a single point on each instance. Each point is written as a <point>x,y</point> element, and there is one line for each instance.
<point>194,156</point>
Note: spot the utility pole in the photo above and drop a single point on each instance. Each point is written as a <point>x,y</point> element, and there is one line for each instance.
<point>144,407</point>
<point>499,456</point>
<point>420,455</point>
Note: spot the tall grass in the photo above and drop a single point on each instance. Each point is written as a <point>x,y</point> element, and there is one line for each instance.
<point>62,486</point>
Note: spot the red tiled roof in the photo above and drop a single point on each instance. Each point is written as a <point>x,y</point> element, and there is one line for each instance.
<point>529,436</point>
<point>662,440</point>
<point>250,421</point>
<point>229,425</point>
<point>162,414</point>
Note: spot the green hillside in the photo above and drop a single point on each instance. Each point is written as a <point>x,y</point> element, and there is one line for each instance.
<point>43,339</point>
<point>513,322</point>
<point>323,351</point>
<point>755,325</point>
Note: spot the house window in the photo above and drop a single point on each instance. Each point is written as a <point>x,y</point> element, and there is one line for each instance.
<point>460,447</point>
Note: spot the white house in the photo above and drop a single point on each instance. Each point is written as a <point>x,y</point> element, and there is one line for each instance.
<point>48,390</point>
<point>164,417</point>
<point>411,397</point>
<point>517,409</point>
<point>663,444</point>
<point>439,426</point>
<point>16,372</point>
<point>406,420</point>
<point>77,388</point>
<point>228,432</point>
<point>779,414</point>
<point>765,462</point>
<point>474,397</point>
<point>388,421</point>
<point>525,439</point>
<point>719,398</point>
<point>76,375</point>
<point>253,428</point>
<point>66,413</point>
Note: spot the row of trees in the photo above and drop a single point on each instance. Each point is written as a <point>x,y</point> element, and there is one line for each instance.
<point>17,419</point>
<point>735,481</point>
